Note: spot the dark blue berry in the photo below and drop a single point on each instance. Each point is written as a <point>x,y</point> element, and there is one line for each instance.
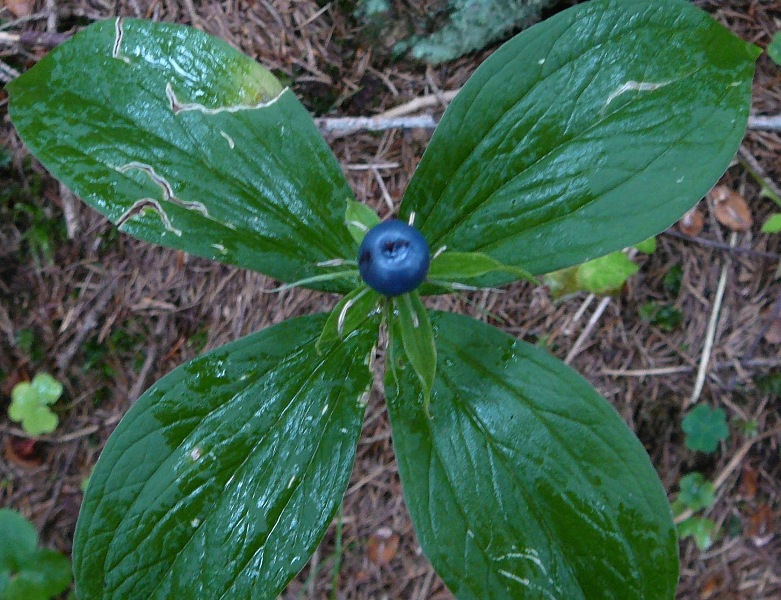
<point>393,258</point>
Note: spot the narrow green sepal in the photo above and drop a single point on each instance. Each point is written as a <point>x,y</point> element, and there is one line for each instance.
<point>359,219</point>
<point>346,274</point>
<point>355,309</point>
<point>413,326</point>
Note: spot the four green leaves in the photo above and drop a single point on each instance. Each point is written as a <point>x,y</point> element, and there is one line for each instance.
<point>581,136</point>
<point>30,402</point>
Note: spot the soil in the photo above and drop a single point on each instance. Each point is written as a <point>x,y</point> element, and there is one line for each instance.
<point>108,315</point>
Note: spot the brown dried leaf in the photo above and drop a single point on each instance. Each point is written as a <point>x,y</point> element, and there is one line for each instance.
<point>731,209</point>
<point>760,526</point>
<point>710,587</point>
<point>692,222</point>
<point>20,8</point>
<point>382,546</point>
<point>748,483</point>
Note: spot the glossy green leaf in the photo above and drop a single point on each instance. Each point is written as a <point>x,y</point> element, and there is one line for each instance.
<point>183,141</point>
<point>585,134</point>
<point>224,476</point>
<point>524,482</point>
<point>412,328</point>
<point>463,267</point>
<point>359,219</point>
<point>352,311</point>
<point>705,427</point>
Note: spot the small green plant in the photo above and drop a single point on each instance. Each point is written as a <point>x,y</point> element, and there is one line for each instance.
<point>701,529</point>
<point>774,48</point>
<point>673,279</point>
<point>472,25</point>
<point>665,316</point>
<point>26,341</point>
<point>705,427</point>
<point>26,571</point>
<point>696,494</point>
<point>584,135</point>
<point>30,402</point>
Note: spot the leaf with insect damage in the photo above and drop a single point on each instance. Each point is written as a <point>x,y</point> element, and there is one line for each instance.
<point>181,140</point>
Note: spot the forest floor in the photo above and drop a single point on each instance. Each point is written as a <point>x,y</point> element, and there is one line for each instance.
<point>108,315</point>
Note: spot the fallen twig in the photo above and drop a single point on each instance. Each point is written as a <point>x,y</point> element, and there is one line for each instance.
<point>46,39</point>
<point>710,334</point>
<point>71,211</point>
<point>722,246</point>
<point>346,125</point>
<point>418,104</point>
<point>661,371</point>
<point>592,322</point>
<point>752,165</point>
<point>767,122</point>
<point>7,72</point>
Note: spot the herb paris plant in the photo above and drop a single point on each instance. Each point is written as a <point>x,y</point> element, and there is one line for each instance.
<point>586,134</point>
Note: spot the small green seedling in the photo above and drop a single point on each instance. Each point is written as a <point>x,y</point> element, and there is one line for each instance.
<point>770,383</point>
<point>673,279</point>
<point>30,402</point>
<point>774,48</point>
<point>664,316</point>
<point>26,571</point>
<point>701,529</point>
<point>705,427</point>
<point>584,135</point>
<point>696,494</point>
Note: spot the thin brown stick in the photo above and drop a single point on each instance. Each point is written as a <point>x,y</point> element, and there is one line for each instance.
<point>45,39</point>
<point>58,486</point>
<point>752,165</point>
<point>419,104</point>
<point>721,246</point>
<point>70,207</point>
